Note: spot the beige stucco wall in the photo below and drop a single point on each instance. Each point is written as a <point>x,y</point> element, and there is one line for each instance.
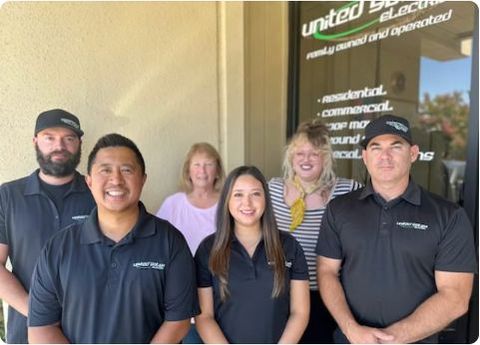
<point>165,74</point>
<point>266,70</point>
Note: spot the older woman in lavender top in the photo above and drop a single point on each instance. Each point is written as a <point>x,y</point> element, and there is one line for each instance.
<point>192,211</point>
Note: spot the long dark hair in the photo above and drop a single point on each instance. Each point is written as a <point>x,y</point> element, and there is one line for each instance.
<point>219,261</point>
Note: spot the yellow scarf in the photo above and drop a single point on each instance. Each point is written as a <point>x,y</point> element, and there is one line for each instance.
<point>297,210</point>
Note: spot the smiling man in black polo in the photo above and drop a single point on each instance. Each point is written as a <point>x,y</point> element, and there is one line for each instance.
<point>124,276</point>
<point>395,262</point>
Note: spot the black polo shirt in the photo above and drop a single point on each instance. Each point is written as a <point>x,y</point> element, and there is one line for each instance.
<point>28,218</point>
<point>391,250</point>
<point>250,314</point>
<point>107,292</point>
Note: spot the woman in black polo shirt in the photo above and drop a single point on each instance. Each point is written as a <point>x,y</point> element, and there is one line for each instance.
<point>252,279</point>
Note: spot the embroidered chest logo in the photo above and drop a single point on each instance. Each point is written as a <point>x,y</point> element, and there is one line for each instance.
<point>144,265</point>
<point>288,264</point>
<point>413,226</point>
<point>80,217</point>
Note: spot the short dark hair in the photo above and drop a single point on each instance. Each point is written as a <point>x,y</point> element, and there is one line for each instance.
<point>114,140</point>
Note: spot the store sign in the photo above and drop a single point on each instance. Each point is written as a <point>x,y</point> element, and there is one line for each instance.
<point>347,112</point>
<point>355,11</point>
<point>358,60</point>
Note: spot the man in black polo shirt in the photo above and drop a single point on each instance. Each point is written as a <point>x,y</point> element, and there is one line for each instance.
<point>123,276</point>
<point>395,262</point>
<point>35,207</point>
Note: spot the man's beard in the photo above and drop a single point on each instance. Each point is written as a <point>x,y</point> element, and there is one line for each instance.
<point>58,169</point>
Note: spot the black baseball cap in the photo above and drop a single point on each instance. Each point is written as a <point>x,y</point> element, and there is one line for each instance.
<point>58,118</point>
<point>387,124</point>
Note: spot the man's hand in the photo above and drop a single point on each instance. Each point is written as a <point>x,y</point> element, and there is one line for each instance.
<point>436,312</point>
<point>367,335</point>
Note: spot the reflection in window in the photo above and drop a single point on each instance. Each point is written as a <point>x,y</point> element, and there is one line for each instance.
<point>444,108</point>
<point>420,63</point>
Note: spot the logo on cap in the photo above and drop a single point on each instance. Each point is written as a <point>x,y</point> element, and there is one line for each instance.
<point>398,126</point>
<point>70,123</point>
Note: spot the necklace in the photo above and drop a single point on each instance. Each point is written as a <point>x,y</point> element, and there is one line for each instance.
<point>297,210</point>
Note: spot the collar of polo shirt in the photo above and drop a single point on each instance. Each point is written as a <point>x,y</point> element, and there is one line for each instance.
<point>33,184</point>
<point>91,232</point>
<point>412,194</point>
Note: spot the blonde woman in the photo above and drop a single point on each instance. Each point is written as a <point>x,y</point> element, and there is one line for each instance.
<point>299,201</point>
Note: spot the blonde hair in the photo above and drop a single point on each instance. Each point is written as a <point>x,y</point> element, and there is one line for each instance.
<point>316,133</point>
<point>185,181</point>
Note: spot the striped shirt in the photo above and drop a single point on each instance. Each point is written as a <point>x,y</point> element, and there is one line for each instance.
<point>307,232</point>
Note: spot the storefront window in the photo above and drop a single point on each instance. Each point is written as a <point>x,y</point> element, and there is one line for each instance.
<point>358,60</point>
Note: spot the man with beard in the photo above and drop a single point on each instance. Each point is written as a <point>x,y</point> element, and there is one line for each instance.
<point>35,207</point>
